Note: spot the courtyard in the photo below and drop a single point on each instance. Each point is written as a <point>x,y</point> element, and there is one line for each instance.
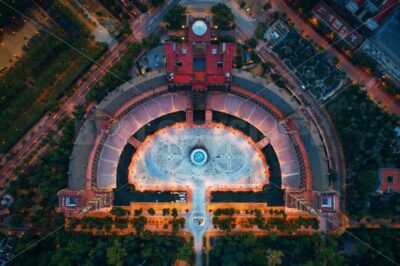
<point>182,155</point>
<point>314,69</point>
<point>198,158</point>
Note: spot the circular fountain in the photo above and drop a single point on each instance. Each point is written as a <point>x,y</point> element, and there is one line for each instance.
<point>198,156</point>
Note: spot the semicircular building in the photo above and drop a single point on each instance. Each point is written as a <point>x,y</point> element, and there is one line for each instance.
<point>202,126</point>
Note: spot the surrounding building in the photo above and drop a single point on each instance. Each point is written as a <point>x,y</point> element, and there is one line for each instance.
<point>337,24</point>
<point>198,63</point>
<point>6,251</point>
<point>384,44</point>
<point>389,180</point>
<point>276,32</point>
<point>380,17</point>
<point>372,13</point>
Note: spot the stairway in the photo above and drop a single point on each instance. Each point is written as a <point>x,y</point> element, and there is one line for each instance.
<point>199,99</point>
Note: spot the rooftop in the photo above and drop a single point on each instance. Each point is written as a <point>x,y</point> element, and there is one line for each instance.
<point>198,62</point>
<point>389,179</point>
<point>337,24</point>
<point>199,28</point>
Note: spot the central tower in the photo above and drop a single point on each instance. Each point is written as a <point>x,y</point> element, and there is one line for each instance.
<point>200,64</point>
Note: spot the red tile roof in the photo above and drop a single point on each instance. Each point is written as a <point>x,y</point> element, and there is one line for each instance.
<point>217,58</point>
<point>384,173</point>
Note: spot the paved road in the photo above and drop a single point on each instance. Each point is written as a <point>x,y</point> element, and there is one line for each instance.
<point>33,137</point>
<point>149,22</point>
<point>353,72</point>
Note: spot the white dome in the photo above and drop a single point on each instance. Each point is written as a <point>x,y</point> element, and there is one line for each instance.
<point>199,28</point>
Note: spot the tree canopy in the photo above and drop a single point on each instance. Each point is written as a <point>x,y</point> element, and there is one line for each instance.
<point>366,130</point>
<point>175,17</point>
<point>116,253</point>
<point>157,2</point>
<point>367,133</point>
<point>305,5</point>
<point>66,248</point>
<point>247,249</point>
<point>8,16</point>
<point>223,16</point>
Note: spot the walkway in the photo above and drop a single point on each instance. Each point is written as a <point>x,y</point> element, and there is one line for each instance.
<point>198,220</point>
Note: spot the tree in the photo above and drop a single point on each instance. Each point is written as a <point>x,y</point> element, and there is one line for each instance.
<point>121,223</point>
<point>184,252</point>
<point>267,6</point>
<point>252,42</point>
<point>226,38</point>
<point>52,107</point>
<point>224,211</point>
<point>96,93</point>
<point>151,211</point>
<point>333,176</point>
<point>126,29</point>
<point>151,41</point>
<point>260,31</point>
<point>367,133</point>
<point>174,212</point>
<point>175,17</point>
<point>305,5</point>
<point>274,257</point>
<point>363,60</point>
<point>157,2</point>
<point>242,4</point>
<point>288,51</point>
<point>116,254</point>
<point>223,16</point>
<point>138,212</point>
<point>7,14</point>
<point>139,223</point>
<point>335,60</point>
<point>366,182</point>
<point>79,112</point>
<point>16,220</point>
<point>165,211</point>
<point>177,223</point>
<point>100,249</point>
<point>118,211</point>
